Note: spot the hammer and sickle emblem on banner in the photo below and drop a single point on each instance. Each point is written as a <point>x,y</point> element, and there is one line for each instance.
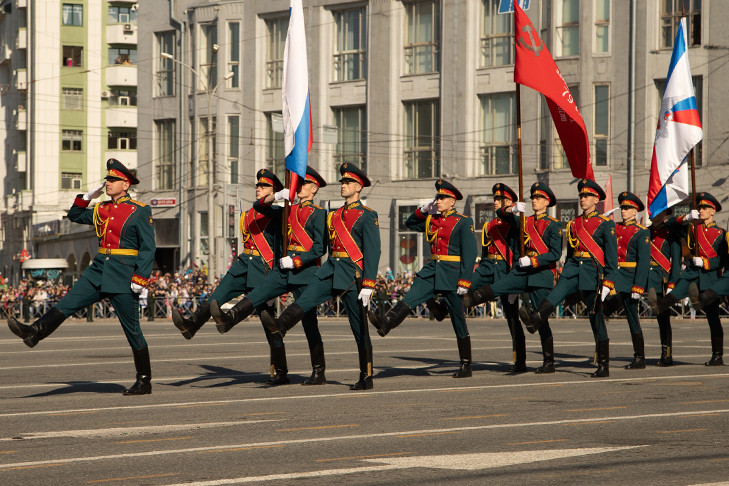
<point>533,46</point>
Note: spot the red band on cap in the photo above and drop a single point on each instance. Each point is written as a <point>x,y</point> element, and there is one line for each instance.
<point>590,191</point>
<point>311,178</point>
<point>447,192</point>
<point>541,193</point>
<point>705,202</point>
<point>350,175</point>
<point>117,174</point>
<point>265,180</point>
<point>628,202</point>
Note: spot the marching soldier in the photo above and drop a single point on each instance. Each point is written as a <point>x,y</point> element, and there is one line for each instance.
<point>119,272</point>
<point>703,270</point>
<point>449,271</point>
<point>709,296</point>
<point>634,256</point>
<point>307,242</point>
<point>534,273</point>
<point>262,241</point>
<point>349,272</point>
<point>592,260</point>
<point>662,276</point>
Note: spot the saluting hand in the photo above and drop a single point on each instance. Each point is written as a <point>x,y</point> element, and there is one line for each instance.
<point>94,193</point>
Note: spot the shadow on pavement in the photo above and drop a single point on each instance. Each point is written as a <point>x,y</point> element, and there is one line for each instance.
<point>83,387</point>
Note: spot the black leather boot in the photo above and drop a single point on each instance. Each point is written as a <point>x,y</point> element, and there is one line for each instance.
<point>317,366</point>
<point>519,355</point>
<point>638,362</point>
<point>478,296</point>
<point>548,353</point>
<point>365,369</point>
<point>143,385</point>
<point>279,368</point>
<point>464,352</point>
<point>40,329</point>
<point>393,318</point>
<point>666,334</point>
<point>533,321</point>
<point>705,299</point>
<point>188,327</point>
<point>439,310</point>
<point>662,305</point>
<point>288,319</point>
<point>603,360</point>
<point>717,350</point>
<point>225,321</point>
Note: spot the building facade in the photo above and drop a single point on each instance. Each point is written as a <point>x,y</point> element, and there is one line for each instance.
<point>69,102</point>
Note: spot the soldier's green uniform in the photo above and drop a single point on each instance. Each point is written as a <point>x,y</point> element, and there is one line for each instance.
<point>543,247</point>
<point>351,268</point>
<point>307,243</point>
<point>592,260</point>
<point>119,271</point>
<point>453,248</point>
<point>634,256</point>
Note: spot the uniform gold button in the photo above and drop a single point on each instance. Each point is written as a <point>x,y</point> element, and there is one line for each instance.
<point>107,258</point>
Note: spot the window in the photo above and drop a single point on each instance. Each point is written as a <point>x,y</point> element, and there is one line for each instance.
<point>276,42</point>
<point>699,94</point>
<point>205,164</point>
<point>71,180</point>
<point>351,136</point>
<point>122,140</point>
<point>671,17</point>
<point>497,45</point>
<point>73,14</point>
<point>422,149</point>
<point>71,140</point>
<point>275,159</point>
<point>122,15</point>
<point>559,158</point>
<point>498,137</point>
<point>208,56</point>
<point>234,54</point>
<point>73,56</point>
<point>423,37</point>
<point>123,97</point>
<point>233,147</point>
<point>568,28</point>
<point>350,51</point>
<point>484,212</point>
<point>602,26</point>
<point>203,232</point>
<point>122,55</point>
<point>602,124</point>
<point>412,248</point>
<point>165,68</point>
<point>73,98</point>
<point>164,170</point>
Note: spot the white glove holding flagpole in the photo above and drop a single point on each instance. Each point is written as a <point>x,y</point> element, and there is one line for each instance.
<point>519,207</point>
<point>692,216</point>
<point>282,194</point>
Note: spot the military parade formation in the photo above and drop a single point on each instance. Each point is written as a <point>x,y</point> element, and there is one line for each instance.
<point>608,267</point>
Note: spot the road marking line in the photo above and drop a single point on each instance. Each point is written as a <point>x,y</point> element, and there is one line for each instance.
<point>8,452</point>
<point>704,401</point>
<point>593,409</point>
<point>327,396</point>
<point>477,416</point>
<point>591,472</point>
<point>680,431</point>
<point>202,405</point>
<point>80,412</point>
<point>242,448</point>
<point>536,442</point>
<point>362,457</point>
<point>152,440</point>
<point>590,423</point>
<point>318,428</point>
<point>431,433</point>
<point>33,466</point>
<point>96,481</point>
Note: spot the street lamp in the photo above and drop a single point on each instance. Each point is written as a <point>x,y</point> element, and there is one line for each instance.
<point>212,270</point>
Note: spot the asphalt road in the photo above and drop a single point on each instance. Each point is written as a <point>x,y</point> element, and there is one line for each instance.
<point>211,420</point>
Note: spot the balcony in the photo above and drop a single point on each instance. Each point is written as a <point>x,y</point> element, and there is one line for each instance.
<point>121,117</point>
<point>21,119</point>
<point>121,75</point>
<point>121,34</point>
<point>21,79</point>
<point>21,160</point>
<point>22,41</point>
<point>5,54</point>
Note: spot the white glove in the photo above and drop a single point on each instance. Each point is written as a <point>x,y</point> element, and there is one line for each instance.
<point>693,215</point>
<point>136,288</point>
<point>364,296</point>
<point>428,207</point>
<point>519,207</point>
<point>609,213</point>
<point>286,262</point>
<point>461,290</point>
<point>604,293</point>
<point>282,194</point>
<point>94,193</point>
<point>512,298</point>
<point>698,261</point>
<point>668,290</point>
<point>635,295</point>
<point>525,261</point>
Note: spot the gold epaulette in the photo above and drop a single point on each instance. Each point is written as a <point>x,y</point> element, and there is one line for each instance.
<point>605,218</point>
<point>137,202</point>
<point>316,207</point>
<point>641,226</point>
<point>554,220</point>
<point>365,207</point>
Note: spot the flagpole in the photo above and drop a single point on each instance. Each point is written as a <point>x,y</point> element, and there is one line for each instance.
<point>285,218</point>
<point>693,201</point>
<point>522,217</point>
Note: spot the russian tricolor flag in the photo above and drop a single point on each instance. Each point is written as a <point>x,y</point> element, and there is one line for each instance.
<point>298,132</point>
<point>679,129</point>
